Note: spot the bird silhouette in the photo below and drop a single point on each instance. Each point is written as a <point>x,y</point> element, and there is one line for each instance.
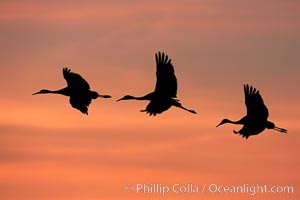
<point>255,121</point>
<point>77,89</point>
<point>164,95</point>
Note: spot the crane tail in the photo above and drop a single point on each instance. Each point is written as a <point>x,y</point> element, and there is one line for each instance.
<point>104,96</point>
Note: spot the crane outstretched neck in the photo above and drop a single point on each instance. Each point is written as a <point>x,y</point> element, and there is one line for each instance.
<point>224,121</point>
<point>63,91</point>
<point>129,97</point>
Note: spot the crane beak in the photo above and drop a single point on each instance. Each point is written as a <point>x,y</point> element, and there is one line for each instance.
<point>123,98</point>
<point>36,93</point>
<point>219,125</point>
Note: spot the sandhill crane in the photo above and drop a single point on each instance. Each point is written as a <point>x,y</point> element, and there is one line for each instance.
<point>77,89</point>
<point>257,114</point>
<point>164,95</point>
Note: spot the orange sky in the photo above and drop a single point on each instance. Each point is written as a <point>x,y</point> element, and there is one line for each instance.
<point>51,151</point>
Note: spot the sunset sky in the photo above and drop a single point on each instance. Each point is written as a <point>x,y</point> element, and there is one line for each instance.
<point>50,151</point>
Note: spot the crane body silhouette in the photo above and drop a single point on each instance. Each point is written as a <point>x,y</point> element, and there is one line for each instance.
<point>77,89</point>
<point>164,95</point>
<point>255,121</point>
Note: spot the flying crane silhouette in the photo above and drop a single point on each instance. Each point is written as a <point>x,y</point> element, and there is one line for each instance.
<point>164,95</point>
<point>77,89</point>
<point>255,121</point>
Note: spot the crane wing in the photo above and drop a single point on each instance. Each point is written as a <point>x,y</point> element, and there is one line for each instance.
<point>75,80</point>
<point>256,108</point>
<point>251,129</point>
<point>80,102</point>
<point>166,82</point>
<point>156,107</point>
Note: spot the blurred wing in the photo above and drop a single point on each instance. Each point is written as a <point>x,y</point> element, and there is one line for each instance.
<point>80,102</point>
<point>166,82</point>
<point>251,129</point>
<point>256,108</point>
<point>75,80</point>
<point>156,107</point>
